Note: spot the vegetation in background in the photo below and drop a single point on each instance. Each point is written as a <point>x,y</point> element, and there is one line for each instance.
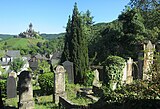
<point>16,64</point>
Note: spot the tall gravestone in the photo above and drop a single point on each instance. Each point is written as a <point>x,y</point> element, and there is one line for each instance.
<point>69,69</point>
<point>25,91</point>
<point>124,77</point>
<point>11,87</point>
<point>140,65</point>
<point>148,59</point>
<point>129,71</point>
<point>59,83</point>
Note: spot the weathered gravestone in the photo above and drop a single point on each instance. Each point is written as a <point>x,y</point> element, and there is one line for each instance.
<point>11,87</point>
<point>25,91</point>
<point>59,83</point>
<point>96,83</point>
<point>13,74</point>
<point>148,59</point>
<point>69,69</point>
<point>129,71</point>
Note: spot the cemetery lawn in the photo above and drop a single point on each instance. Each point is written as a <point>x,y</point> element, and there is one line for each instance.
<point>71,90</point>
<point>42,102</point>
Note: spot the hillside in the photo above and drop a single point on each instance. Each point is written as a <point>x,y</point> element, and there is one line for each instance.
<point>51,36</point>
<point>17,43</point>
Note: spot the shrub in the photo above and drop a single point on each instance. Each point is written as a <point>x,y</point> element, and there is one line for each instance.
<point>89,76</point>
<point>46,82</point>
<point>3,87</point>
<point>113,69</point>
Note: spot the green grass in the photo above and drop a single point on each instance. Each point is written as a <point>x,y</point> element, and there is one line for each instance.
<point>71,90</point>
<point>42,102</point>
<point>15,43</point>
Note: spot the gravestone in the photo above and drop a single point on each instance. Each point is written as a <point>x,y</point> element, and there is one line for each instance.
<point>140,65</point>
<point>25,91</point>
<point>59,83</point>
<point>13,74</point>
<point>11,87</point>
<point>129,71</point>
<point>148,59</point>
<point>124,77</point>
<point>69,69</point>
<point>96,83</point>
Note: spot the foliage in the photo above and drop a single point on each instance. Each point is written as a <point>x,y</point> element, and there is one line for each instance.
<point>66,51</point>
<point>16,64</point>
<point>76,49</point>
<point>46,82</point>
<point>89,76</point>
<point>113,69</point>
<point>43,65</point>
<point>3,85</point>
<point>144,4</point>
<point>136,91</point>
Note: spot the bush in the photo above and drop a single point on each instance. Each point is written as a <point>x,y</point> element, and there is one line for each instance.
<point>3,88</point>
<point>113,69</point>
<point>46,83</point>
<point>89,76</point>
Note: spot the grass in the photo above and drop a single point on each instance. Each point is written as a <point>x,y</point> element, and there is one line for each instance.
<point>71,90</point>
<point>42,102</point>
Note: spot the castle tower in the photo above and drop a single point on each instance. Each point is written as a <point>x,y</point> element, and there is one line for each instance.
<point>30,26</point>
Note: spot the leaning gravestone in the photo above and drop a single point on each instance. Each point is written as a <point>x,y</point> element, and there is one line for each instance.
<point>25,91</point>
<point>69,69</point>
<point>59,83</point>
<point>11,87</point>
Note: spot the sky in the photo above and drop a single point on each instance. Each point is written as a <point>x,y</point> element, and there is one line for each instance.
<point>51,16</point>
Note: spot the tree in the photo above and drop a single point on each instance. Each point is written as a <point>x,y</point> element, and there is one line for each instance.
<point>133,29</point>
<point>76,45</point>
<point>16,64</point>
<point>65,54</point>
<point>144,4</point>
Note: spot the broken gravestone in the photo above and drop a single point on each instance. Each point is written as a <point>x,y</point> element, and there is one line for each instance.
<point>25,91</point>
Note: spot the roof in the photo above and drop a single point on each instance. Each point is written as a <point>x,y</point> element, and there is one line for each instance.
<point>57,55</point>
<point>13,53</point>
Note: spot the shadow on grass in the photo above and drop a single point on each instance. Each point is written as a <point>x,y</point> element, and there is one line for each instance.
<point>129,104</point>
<point>9,107</point>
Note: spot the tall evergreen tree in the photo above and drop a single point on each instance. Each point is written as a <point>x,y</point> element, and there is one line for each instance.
<point>76,49</point>
<point>66,52</point>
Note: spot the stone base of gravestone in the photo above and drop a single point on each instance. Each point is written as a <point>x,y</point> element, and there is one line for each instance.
<point>57,95</point>
<point>129,80</point>
<point>26,105</point>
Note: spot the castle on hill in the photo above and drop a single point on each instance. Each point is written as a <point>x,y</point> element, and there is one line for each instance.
<point>29,33</point>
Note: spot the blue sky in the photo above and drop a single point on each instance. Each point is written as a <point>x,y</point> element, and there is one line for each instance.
<point>50,16</point>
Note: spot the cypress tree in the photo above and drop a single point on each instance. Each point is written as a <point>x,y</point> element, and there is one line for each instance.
<point>76,49</point>
<point>66,52</point>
